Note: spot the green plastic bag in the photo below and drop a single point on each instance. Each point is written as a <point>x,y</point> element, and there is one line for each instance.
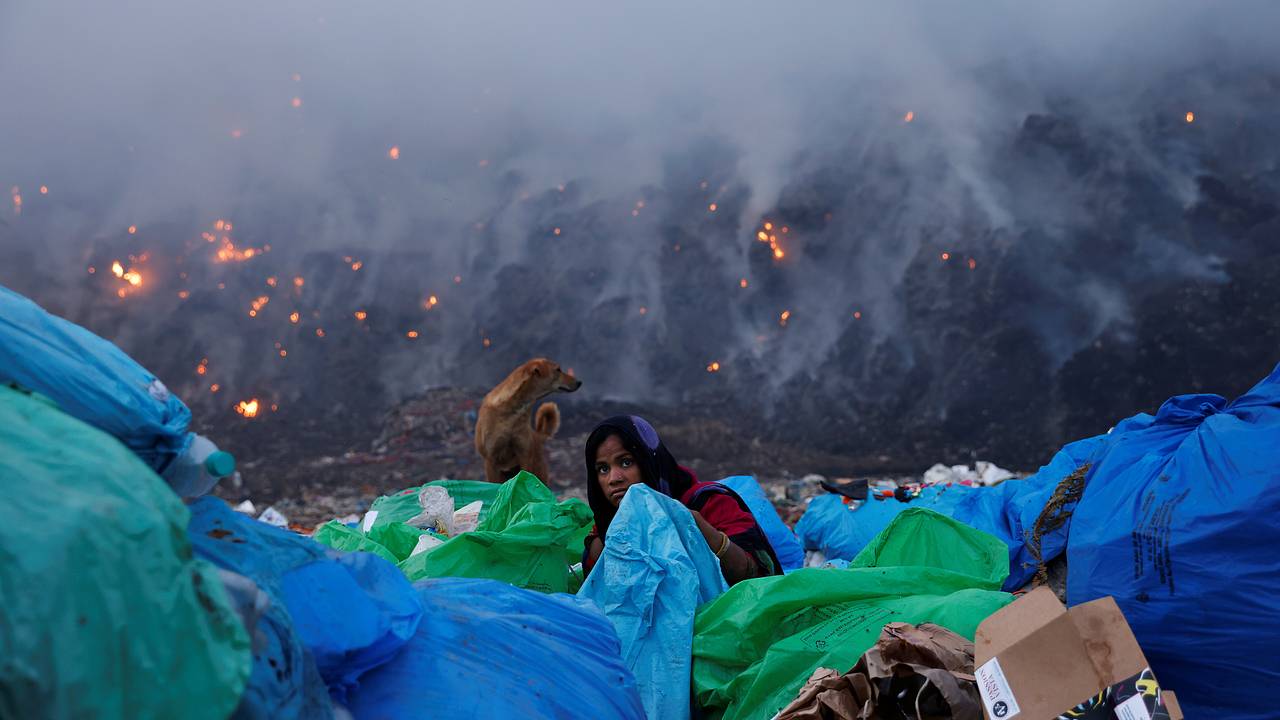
<point>104,613</point>
<point>755,646</point>
<point>403,506</point>
<point>522,540</point>
<point>400,538</point>
<point>340,537</point>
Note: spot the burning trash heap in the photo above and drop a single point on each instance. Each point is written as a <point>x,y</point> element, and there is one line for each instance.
<point>465,599</point>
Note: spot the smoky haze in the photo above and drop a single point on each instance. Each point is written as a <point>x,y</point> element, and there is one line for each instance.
<point>917,209</point>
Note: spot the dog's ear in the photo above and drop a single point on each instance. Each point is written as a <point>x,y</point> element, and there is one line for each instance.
<point>537,371</point>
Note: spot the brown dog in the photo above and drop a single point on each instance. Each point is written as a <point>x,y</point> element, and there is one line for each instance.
<point>504,437</point>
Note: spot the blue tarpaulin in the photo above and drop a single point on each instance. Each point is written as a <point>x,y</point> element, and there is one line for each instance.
<point>486,649</point>
<point>656,569</point>
<point>333,616</point>
<point>1179,524</point>
<point>90,379</point>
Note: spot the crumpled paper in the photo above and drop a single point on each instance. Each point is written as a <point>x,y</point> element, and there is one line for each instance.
<point>922,672</point>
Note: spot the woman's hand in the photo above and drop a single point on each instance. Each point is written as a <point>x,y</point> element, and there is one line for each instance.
<point>735,563</point>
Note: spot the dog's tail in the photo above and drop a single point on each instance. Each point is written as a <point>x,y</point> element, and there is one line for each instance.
<point>546,421</point>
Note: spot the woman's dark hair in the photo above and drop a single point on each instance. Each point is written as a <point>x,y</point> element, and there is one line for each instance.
<point>658,468</point>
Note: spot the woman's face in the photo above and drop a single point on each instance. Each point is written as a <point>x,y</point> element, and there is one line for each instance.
<point>616,469</point>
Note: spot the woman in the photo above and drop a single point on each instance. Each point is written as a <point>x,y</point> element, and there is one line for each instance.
<point>624,451</point>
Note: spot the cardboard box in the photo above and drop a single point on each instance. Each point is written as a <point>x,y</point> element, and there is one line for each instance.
<point>1037,660</point>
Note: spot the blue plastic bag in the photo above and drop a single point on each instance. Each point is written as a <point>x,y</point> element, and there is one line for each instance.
<point>91,379</point>
<point>1178,523</point>
<point>656,569</point>
<point>332,618</point>
<point>1009,511</point>
<point>785,543</point>
<point>486,649</point>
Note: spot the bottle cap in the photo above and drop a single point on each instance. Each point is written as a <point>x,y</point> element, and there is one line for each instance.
<point>220,464</point>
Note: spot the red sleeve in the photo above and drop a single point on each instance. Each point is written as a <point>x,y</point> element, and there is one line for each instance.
<point>724,515</point>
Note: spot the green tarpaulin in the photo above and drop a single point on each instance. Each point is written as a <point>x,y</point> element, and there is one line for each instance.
<point>754,646</point>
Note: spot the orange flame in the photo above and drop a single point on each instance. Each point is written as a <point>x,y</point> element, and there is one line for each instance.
<point>271,281</point>
<point>742,283</point>
<point>361,315</point>
<point>909,116</point>
<point>486,342</point>
<point>44,189</point>
<point>556,231</point>
<point>857,314</point>
<point>431,302</point>
<point>784,317</point>
<point>293,317</point>
<point>183,294</point>
<point>248,408</point>
<point>117,269</point>
<point>711,207</point>
<point>1191,117</point>
<point>215,388</point>
<point>319,332</point>
<point>411,334</point>
<point>946,256</point>
<point>394,152</point>
<point>298,282</point>
<point>972,263</point>
<point>356,265</point>
<point>258,304</point>
<point>713,367</point>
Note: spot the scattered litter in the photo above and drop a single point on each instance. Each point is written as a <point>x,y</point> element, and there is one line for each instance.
<point>247,508</point>
<point>437,511</point>
<point>271,516</point>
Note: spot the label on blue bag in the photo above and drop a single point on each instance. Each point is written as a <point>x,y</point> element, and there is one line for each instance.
<point>997,697</point>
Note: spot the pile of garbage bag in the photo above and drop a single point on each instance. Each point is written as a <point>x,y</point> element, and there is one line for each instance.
<point>755,645</point>
<point>106,613</point>
<point>449,598</point>
<point>519,533</point>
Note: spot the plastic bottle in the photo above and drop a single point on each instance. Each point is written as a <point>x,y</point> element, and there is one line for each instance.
<point>196,471</point>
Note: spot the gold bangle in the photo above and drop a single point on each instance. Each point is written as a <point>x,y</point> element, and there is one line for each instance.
<point>723,545</point>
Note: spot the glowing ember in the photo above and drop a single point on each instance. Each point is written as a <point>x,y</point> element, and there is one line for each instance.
<point>133,277</point>
<point>296,102</point>
<point>713,367</point>
<point>121,292</point>
<point>258,304</point>
<point>356,265</point>
<point>972,263</point>
<point>220,225</point>
<point>92,269</point>
<point>711,207</point>
<point>762,236</point>
<point>742,283</point>
<point>283,352</point>
<point>777,253</point>
<point>784,317</point>
<point>271,281</point>
<point>298,282</point>
<point>183,294</point>
<point>768,225</point>
<point>909,116</point>
<point>17,202</point>
<point>215,388</point>
<point>394,152</point>
<point>857,314</point>
<point>556,231</point>
<point>431,302</point>
<point>117,269</point>
<point>248,408</point>
<point>1191,117</point>
<point>765,236</point>
<point>237,133</point>
<point>457,279</point>
<point>44,189</point>
<point>486,342</point>
<point>483,163</point>
<point>361,315</point>
<point>946,256</point>
<point>411,334</point>
<point>643,310</point>
<point>297,77</point>
<point>319,332</point>
<point>293,317</point>
<point>203,367</point>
